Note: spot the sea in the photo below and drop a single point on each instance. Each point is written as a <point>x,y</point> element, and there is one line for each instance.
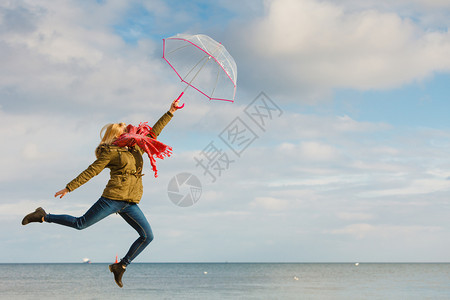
<point>228,281</point>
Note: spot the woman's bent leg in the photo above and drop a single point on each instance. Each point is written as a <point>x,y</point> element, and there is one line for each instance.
<point>100,210</point>
<point>135,217</point>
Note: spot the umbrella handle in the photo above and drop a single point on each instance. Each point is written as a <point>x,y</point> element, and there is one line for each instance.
<point>179,107</point>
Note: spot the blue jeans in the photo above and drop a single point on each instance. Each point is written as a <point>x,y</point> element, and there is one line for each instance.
<point>103,208</point>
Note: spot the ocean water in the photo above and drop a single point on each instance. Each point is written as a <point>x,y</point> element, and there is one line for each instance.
<point>227,281</point>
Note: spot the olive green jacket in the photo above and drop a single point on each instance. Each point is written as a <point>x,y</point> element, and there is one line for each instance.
<point>125,164</point>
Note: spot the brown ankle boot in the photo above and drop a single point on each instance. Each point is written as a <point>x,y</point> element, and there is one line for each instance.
<point>35,216</point>
<point>118,269</point>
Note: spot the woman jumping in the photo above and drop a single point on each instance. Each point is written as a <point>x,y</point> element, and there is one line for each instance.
<point>121,149</point>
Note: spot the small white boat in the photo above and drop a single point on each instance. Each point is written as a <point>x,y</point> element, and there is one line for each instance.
<point>86,260</point>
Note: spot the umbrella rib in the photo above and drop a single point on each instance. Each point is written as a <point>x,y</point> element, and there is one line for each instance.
<point>178,49</point>
<point>210,55</point>
<point>229,62</point>
<point>189,84</point>
<point>215,85</point>
<point>195,67</point>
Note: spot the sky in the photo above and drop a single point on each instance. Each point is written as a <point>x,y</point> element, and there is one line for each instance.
<point>345,109</point>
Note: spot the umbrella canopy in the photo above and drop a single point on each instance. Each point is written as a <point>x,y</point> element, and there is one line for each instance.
<point>203,64</point>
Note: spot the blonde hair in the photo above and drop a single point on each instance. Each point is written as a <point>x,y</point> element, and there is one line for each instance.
<point>109,133</point>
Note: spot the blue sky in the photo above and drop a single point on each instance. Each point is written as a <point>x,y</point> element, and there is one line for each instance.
<point>421,104</point>
<point>355,168</point>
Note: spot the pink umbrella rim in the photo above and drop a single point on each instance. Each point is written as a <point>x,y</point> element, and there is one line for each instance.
<point>210,98</point>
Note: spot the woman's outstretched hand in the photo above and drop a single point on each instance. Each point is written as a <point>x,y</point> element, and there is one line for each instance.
<point>174,106</point>
<point>62,193</point>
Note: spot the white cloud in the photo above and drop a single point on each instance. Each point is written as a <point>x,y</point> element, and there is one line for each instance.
<point>379,166</point>
<point>309,150</point>
<point>413,187</point>
<point>317,151</point>
<point>355,216</point>
<point>320,181</point>
<point>31,151</point>
<point>40,142</point>
<point>312,127</point>
<point>397,4</point>
<point>363,230</point>
<point>347,124</point>
<point>70,56</point>
<point>320,45</point>
<point>269,203</point>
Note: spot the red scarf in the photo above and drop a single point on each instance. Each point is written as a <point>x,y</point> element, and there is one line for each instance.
<point>146,140</point>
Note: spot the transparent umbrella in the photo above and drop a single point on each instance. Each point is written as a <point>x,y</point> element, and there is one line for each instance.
<point>202,64</point>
